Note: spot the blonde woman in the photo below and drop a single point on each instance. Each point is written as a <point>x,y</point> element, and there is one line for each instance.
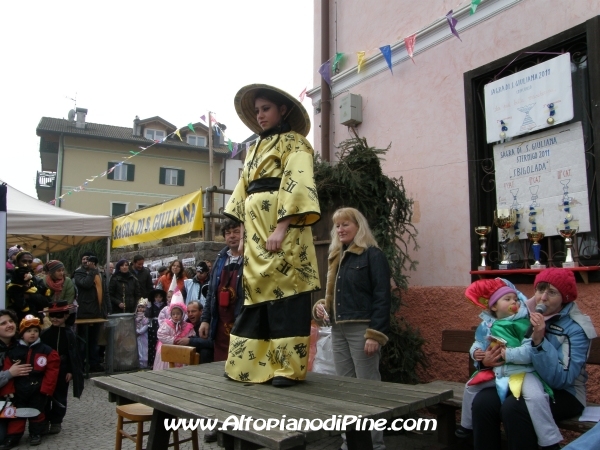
<point>357,300</point>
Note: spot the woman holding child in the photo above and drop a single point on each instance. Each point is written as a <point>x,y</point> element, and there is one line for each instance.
<point>560,341</point>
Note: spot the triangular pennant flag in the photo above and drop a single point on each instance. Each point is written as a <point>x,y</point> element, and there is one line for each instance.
<point>360,60</point>
<point>229,145</point>
<point>452,24</point>
<point>336,62</point>
<point>178,135</point>
<point>409,42</point>
<point>164,139</point>
<point>213,119</point>
<point>143,148</point>
<point>191,127</point>
<point>111,169</point>
<point>134,153</point>
<point>325,71</point>
<point>217,131</point>
<point>474,4</point>
<point>386,50</point>
<point>118,164</point>
<point>302,95</point>
<point>203,117</point>
<point>103,173</point>
<point>235,149</point>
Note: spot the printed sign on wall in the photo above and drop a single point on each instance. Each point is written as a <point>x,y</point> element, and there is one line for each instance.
<point>529,100</point>
<point>543,178</point>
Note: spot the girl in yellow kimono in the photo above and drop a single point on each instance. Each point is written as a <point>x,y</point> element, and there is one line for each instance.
<point>276,201</point>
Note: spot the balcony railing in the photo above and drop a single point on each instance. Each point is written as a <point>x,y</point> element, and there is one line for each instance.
<point>45,180</point>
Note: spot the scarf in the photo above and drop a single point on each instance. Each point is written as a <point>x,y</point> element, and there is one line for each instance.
<point>55,285</point>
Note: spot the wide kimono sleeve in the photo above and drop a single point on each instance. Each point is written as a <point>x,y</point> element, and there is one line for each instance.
<point>235,208</point>
<point>297,196</point>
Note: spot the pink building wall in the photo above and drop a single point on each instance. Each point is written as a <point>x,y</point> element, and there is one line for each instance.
<point>420,110</point>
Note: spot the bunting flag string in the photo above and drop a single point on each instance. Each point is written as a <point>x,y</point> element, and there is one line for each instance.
<point>409,43</point>
<point>360,58</point>
<point>178,135</point>
<point>302,95</point>
<point>332,65</point>
<point>452,24</point>
<point>474,5</point>
<point>387,54</point>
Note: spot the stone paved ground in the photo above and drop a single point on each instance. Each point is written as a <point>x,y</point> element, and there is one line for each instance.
<point>91,423</point>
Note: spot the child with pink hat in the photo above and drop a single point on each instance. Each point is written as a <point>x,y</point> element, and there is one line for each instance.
<point>505,322</point>
<point>174,328</point>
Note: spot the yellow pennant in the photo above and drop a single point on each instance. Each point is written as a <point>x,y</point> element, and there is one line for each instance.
<point>361,60</point>
<point>178,135</point>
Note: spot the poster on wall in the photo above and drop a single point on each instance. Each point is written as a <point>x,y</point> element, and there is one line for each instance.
<point>188,262</point>
<point>543,178</point>
<point>529,100</point>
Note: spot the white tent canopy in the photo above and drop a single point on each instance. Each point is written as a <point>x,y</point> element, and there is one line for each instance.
<point>42,228</point>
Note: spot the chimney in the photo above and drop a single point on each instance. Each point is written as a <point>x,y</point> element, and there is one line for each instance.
<point>136,126</point>
<point>80,120</point>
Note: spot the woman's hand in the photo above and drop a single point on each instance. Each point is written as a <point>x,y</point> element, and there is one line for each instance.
<point>478,355</point>
<point>539,327</point>
<point>276,239</point>
<point>20,370</point>
<point>493,357</point>
<point>69,377</point>
<point>371,347</point>
<point>122,305</point>
<point>320,311</point>
<point>182,341</point>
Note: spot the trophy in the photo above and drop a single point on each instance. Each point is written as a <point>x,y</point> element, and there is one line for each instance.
<point>482,231</point>
<point>568,234</point>
<point>536,237</point>
<point>505,219</point>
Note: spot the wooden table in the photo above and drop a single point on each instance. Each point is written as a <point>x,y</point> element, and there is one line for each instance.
<point>87,323</point>
<point>203,392</point>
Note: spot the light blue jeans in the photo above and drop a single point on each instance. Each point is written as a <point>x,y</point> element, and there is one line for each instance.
<point>348,344</point>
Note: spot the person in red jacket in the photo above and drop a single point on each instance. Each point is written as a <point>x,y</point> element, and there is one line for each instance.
<point>33,390</point>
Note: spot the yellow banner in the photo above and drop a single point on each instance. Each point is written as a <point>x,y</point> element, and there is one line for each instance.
<point>173,218</point>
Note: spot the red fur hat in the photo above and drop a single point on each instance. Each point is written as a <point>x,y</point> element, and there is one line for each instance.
<point>484,293</point>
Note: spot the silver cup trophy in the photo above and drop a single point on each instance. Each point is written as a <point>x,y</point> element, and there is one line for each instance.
<point>483,231</point>
<point>505,219</point>
<point>569,234</point>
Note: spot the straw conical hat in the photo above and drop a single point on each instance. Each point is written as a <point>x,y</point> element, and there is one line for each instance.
<point>244,105</point>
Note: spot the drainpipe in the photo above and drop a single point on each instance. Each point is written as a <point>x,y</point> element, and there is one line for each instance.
<point>325,91</point>
<point>59,170</point>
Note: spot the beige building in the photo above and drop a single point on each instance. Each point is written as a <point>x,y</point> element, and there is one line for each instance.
<point>72,151</point>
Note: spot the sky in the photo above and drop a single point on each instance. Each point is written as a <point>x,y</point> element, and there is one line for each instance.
<point>176,59</point>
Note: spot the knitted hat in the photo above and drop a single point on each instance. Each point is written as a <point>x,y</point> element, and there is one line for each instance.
<point>29,322</point>
<point>177,302</point>
<point>296,115</point>
<point>13,251</point>
<point>53,265</point>
<point>485,293</point>
<point>143,301</point>
<point>561,279</point>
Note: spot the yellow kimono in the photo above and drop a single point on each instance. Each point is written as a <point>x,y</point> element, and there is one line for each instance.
<point>277,182</point>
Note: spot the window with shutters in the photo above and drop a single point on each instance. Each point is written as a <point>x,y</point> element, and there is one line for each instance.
<point>171,176</point>
<point>120,172</point>
<point>117,209</point>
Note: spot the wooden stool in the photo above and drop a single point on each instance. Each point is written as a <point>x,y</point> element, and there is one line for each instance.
<point>135,413</point>
<point>139,413</point>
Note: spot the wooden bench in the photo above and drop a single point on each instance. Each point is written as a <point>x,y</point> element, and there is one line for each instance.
<point>460,341</point>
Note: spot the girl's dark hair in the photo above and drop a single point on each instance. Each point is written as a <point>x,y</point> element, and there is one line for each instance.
<point>11,313</point>
<point>181,272</point>
<point>273,97</point>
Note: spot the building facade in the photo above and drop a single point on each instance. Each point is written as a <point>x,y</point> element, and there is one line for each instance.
<point>432,112</point>
<point>73,151</point>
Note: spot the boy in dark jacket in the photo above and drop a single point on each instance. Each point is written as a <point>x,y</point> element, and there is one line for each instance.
<point>30,391</point>
<point>64,341</point>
